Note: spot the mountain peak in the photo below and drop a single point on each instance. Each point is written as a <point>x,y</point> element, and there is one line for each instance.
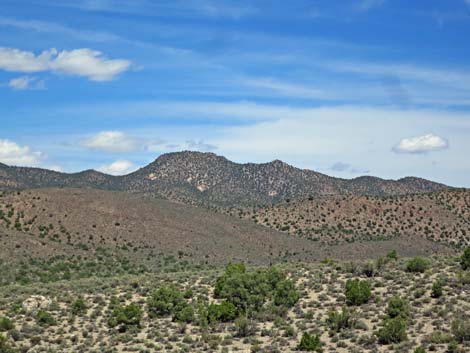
<point>209,179</point>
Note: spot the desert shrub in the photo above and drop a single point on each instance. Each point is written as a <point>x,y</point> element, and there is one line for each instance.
<point>398,307</point>
<point>183,313</point>
<point>393,331</point>
<point>465,259</point>
<point>79,306</point>
<point>250,291</point>
<point>368,269</point>
<point>4,346</point>
<point>285,294</point>
<point>419,350</point>
<point>337,321</point>
<point>310,343</point>
<point>417,264</point>
<point>357,292</point>
<point>437,289</point>
<point>45,318</point>
<point>224,312</point>
<point>125,317</point>
<point>244,327</point>
<point>461,330</point>
<point>392,255</point>
<point>6,324</point>
<point>163,301</point>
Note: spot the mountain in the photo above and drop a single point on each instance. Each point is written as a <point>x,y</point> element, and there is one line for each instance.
<point>211,180</point>
<point>442,216</point>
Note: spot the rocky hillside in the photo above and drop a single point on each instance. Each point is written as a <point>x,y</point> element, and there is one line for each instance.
<point>441,217</point>
<point>211,180</point>
<point>117,229</point>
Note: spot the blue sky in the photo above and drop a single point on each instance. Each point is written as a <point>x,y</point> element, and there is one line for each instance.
<point>353,87</point>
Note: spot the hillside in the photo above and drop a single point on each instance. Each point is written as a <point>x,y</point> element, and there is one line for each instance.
<point>211,180</point>
<point>122,231</point>
<point>442,217</point>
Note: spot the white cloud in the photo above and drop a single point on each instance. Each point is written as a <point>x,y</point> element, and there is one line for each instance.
<point>421,144</point>
<point>200,146</point>
<point>13,154</point>
<point>287,89</point>
<point>365,5</point>
<point>113,141</point>
<point>88,63</point>
<point>119,167</point>
<point>406,72</point>
<point>25,82</point>
<point>15,60</point>
<point>79,62</point>
<point>49,27</point>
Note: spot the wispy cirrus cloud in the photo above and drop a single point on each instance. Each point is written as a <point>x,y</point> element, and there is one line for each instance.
<point>183,8</point>
<point>78,62</point>
<point>366,5</point>
<point>26,82</point>
<point>404,71</point>
<point>51,27</point>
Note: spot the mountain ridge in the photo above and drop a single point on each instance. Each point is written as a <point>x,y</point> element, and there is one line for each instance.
<point>209,179</point>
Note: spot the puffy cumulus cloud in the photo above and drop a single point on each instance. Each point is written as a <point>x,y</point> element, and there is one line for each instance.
<point>113,141</point>
<point>15,60</point>
<point>25,82</point>
<point>118,142</point>
<point>119,167</point>
<point>89,63</point>
<point>421,144</point>
<point>79,62</point>
<point>13,154</point>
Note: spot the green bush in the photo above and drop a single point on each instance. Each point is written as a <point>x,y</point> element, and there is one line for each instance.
<point>250,291</point>
<point>437,289</point>
<point>44,318</point>
<point>163,301</point>
<point>338,321</point>
<point>417,264</point>
<point>461,330</point>
<point>357,292</point>
<point>4,346</point>
<point>183,313</point>
<point>79,306</point>
<point>465,259</point>
<point>310,343</point>
<point>125,317</point>
<point>419,350</point>
<point>285,294</point>
<point>398,307</point>
<point>393,331</point>
<point>392,255</point>
<point>244,327</point>
<point>223,312</point>
<point>6,324</point>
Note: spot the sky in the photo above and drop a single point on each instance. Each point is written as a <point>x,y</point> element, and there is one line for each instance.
<point>346,88</point>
